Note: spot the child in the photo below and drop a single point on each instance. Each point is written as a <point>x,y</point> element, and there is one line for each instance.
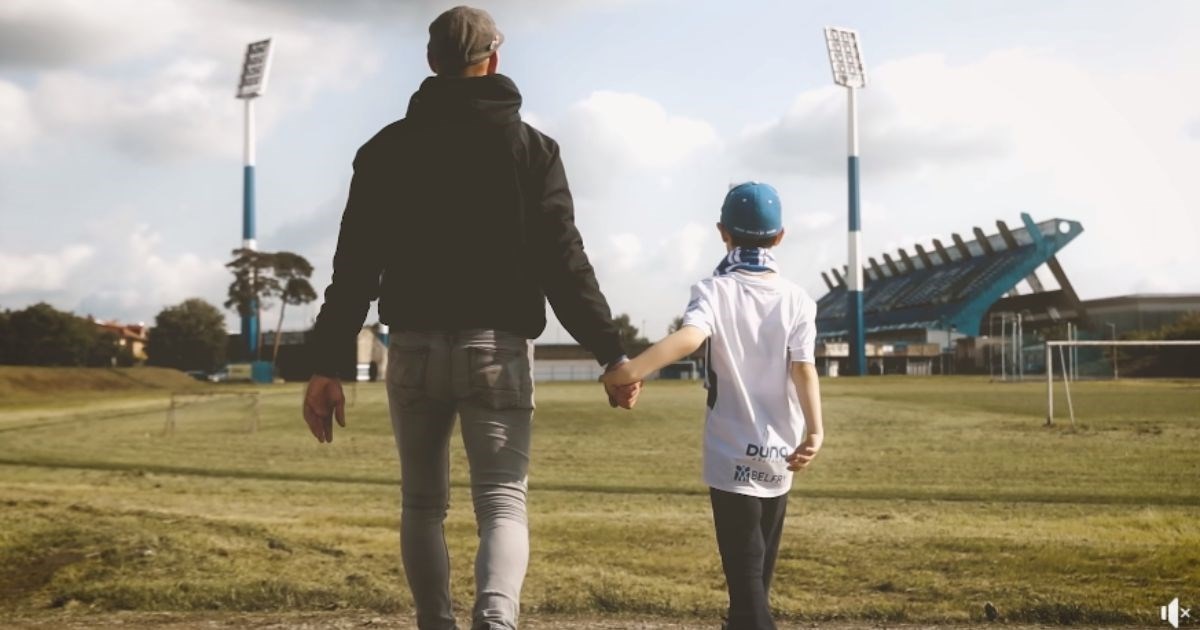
<point>761,382</point>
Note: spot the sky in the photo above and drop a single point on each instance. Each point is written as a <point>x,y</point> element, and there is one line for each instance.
<point>121,139</point>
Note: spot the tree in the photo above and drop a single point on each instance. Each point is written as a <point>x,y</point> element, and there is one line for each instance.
<point>629,333</point>
<point>259,277</point>
<point>292,272</point>
<point>6,337</point>
<point>105,349</point>
<point>253,284</point>
<point>189,336</point>
<point>676,324</point>
<point>43,335</point>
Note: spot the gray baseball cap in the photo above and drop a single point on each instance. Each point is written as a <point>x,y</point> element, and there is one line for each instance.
<point>461,37</point>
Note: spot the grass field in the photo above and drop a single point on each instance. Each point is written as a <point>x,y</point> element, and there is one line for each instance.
<point>932,496</point>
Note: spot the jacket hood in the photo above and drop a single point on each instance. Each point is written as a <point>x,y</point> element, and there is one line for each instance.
<point>490,99</point>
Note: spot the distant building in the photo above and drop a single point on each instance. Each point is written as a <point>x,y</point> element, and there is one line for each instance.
<point>294,364</point>
<point>372,353</point>
<point>900,357</point>
<point>131,337</point>
<point>1139,312</point>
<point>564,362</point>
<point>572,362</point>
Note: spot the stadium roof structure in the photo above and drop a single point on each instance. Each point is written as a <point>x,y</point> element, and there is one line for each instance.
<point>951,287</point>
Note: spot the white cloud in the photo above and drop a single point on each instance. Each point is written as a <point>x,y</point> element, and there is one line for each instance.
<point>139,277</point>
<point>178,112</point>
<point>17,124</point>
<point>907,125</point>
<point>178,101</point>
<point>813,221</point>
<point>57,33</point>
<point>687,246</point>
<point>947,146</point>
<point>507,13</point>
<point>627,251</point>
<point>41,272</point>
<point>611,135</point>
<point>124,271</point>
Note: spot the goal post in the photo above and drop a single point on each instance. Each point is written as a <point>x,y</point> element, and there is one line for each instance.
<point>1067,373</point>
<point>214,405</point>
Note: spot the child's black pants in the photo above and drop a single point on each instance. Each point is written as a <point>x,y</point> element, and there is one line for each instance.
<point>748,531</point>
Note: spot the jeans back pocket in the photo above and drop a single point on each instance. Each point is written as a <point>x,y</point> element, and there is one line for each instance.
<point>500,378</point>
<point>406,373</point>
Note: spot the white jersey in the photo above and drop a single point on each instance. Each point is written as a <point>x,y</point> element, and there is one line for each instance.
<point>757,324</point>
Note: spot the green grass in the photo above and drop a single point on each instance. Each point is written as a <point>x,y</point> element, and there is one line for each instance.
<point>51,387</point>
<point>931,497</point>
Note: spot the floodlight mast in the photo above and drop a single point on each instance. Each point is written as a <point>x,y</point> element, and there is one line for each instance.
<point>253,84</point>
<point>845,60</point>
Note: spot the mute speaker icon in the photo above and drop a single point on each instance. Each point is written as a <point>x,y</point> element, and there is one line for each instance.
<point>1172,613</point>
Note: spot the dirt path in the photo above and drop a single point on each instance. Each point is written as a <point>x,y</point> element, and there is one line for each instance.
<point>372,621</point>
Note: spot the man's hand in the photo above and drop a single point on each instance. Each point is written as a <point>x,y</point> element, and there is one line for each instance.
<point>804,454</point>
<point>322,403</point>
<point>620,386</point>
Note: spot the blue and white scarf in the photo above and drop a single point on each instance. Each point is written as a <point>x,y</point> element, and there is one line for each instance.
<point>752,259</point>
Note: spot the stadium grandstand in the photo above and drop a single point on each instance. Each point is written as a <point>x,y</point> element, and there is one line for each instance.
<point>918,303</point>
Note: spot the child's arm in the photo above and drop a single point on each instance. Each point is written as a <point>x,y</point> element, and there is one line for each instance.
<point>804,377</point>
<point>672,348</point>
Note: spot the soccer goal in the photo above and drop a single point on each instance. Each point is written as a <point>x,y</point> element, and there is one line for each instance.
<point>230,408</point>
<point>1068,371</point>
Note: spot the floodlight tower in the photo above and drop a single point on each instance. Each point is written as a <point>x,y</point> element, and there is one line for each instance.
<point>845,59</point>
<point>252,85</point>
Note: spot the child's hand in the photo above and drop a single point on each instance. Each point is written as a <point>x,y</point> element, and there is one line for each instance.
<point>622,386</point>
<point>804,454</point>
<point>620,375</point>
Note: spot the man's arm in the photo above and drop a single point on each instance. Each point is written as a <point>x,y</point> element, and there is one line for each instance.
<point>568,278</point>
<point>357,265</point>
<point>808,389</point>
<point>672,348</point>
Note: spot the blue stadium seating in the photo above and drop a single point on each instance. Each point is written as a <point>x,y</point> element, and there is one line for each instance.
<point>951,293</point>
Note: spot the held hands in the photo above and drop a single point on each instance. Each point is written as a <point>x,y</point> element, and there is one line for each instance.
<point>621,386</point>
<point>804,454</point>
<point>322,403</point>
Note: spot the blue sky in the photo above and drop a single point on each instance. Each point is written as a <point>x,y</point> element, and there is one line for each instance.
<point>120,138</point>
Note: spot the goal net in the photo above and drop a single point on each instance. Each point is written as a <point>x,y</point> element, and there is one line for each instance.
<point>1072,360</point>
<point>212,412</point>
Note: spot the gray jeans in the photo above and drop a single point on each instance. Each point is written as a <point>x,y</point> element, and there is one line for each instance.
<point>486,377</point>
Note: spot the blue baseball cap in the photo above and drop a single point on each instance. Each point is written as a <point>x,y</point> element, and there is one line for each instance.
<point>752,210</point>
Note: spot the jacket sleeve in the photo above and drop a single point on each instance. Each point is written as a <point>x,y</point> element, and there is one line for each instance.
<point>567,277</point>
<point>357,265</point>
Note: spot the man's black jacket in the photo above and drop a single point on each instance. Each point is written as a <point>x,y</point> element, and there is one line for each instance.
<point>459,217</point>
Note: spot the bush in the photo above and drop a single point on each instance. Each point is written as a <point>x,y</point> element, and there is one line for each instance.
<point>188,336</point>
<point>44,335</point>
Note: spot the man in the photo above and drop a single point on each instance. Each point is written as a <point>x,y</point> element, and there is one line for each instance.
<point>460,220</point>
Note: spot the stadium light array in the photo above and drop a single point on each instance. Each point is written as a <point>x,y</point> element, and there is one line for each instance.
<point>845,57</point>
<point>255,69</point>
